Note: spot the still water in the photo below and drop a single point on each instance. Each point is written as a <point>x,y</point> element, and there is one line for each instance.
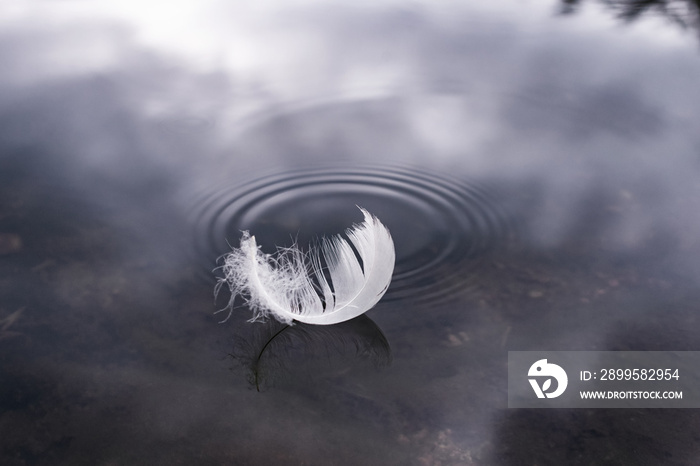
<point>537,163</point>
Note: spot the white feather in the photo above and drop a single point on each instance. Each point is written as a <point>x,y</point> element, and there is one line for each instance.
<point>285,286</point>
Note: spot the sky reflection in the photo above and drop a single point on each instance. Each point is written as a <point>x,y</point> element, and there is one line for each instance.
<point>116,118</point>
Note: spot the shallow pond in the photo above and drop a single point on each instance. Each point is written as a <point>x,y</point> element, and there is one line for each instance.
<point>537,163</point>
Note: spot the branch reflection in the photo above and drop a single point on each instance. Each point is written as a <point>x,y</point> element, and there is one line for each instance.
<point>684,13</point>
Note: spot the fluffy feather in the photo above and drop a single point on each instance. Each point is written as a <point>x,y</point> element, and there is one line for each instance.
<point>292,285</point>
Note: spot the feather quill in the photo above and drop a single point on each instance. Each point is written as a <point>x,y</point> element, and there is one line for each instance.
<point>292,285</point>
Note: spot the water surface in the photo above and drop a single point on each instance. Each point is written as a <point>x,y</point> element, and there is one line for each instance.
<point>537,165</point>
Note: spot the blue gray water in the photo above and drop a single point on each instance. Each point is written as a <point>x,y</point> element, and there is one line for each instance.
<point>538,165</point>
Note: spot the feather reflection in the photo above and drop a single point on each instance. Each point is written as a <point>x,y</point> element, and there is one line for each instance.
<point>272,352</point>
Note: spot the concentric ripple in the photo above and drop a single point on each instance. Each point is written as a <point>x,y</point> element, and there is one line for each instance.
<point>441,228</point>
